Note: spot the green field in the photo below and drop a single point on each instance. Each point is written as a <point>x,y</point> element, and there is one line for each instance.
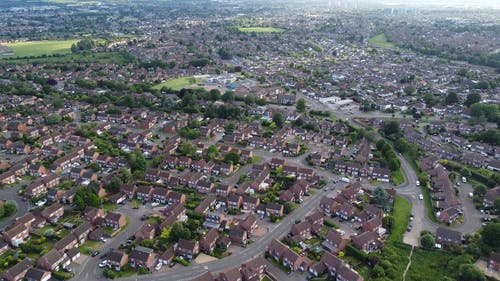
<point>397,177</point>
<point>381,41</point>
<point>401,214</point>
<point>39,48</point>
<point>84,57</point>
<point>177,83</point>
<point>260,29</point>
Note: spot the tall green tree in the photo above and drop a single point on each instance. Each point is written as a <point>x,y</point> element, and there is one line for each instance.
<point>301,105</point>
<point>472,98</point>
<point>278,119</point>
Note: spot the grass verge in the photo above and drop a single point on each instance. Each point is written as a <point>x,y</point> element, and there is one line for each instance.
<point>401,214</point>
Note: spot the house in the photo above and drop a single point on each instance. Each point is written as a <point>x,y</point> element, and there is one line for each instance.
<point>329,263</point>
<point>213,220</point>
<point>53,213</point>
<point>334,242</point>
<point>490,197</point>
<point>223,242</point>
<point>328,205</point>
<point>372,224</point>
<point>4,247</point>
<point>347,274</point>
<point>222,191</point>
<point>494,262</point>
<point>67,242</point>
<point>115,220</point>
<point>250,204</point>
<point>254,269</point>
<point>117,259</point>
<point>301,231</point>
<point>205,205</point>
<point>92,213</point>
<point>207,244</point>
<point>174,197</point>
<point>238,236</point>
<point>187,249</point>
<point>73,254</point>
<point>346,211</point>
<point>129,190</point>
<point>142,257</point>
<point>18,271</point>
<point>159,195</point>
<point>16,235</point>
<point>35,274</point>
<point>249,224</point>
<point>167,256</point>
<point>446,236</point>
<point>51,260</point>
<point>234,201</point>
<point>96,234</point>
<point>144,193</point>
<point>147,231</point>
<point>367,241</point>
<point>233,274</point>
<point>274,209</point>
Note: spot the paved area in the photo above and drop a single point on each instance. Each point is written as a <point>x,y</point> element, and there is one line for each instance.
<point>483,265</point>
<point>204,258</point>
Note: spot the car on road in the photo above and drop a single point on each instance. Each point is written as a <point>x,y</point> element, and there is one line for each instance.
<point>421,197</point>
<point>103,256</point>
<point>95,254</point>
<point>103,264</point>
<point>67,269</point>
<point>143,217</point>
<point>417,183</point>
<point>471,195</point>
<point>411,217</point>
<point>464,179</point>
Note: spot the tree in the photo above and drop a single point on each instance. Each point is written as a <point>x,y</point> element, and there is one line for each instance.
<point>390,128</point>
<point>430,100</point>
<point>212,153</point>
<point>52,119</point>
<point>187,149</point>
<point>410,89</point>
<point>470,272</point>
<point>380,196</point>
<point>148,243</point>
<point>9,208</point>
<point>388,221</point>
<point>224,53</point>
<point>228,96</point>
<point>137,161</point>
<point>497,204</point>
<point>427,241</point>
<point>179,231</point>
<point>451,98</point>
<point>278,119</point>
<point>114,185</point>
<point>232,158</point>
<point>301,105</point>
<point>472,98</point>
<point>491,235</point>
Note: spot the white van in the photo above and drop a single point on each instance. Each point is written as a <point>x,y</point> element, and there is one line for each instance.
<point>344,179</point>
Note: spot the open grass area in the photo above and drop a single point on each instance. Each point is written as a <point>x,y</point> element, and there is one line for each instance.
<point>177,83</point>
<point>381,41</point>
<point>94,245</point>
<point>110,207</point>
<point>39,48</point>
<point>397,177</point>
<point>401,214</point>
<point>428,263</point>
<point>260,29</point>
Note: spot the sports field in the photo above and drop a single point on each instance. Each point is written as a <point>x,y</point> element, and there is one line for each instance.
<point>39,48</point>
<point>261,29</point>
<point>177,83</point>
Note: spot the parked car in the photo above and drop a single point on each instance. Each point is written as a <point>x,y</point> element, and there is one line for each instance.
<point>103,264</point>
<point>158,266</point>
<point>103,256</point>
<point>421,197</point>
<point>94,254</point>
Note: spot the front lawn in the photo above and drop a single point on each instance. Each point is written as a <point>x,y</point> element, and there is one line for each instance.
<point>397,177</point>
<point>89,246</point>
<point>110,207</point>
<point>401,214</point>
